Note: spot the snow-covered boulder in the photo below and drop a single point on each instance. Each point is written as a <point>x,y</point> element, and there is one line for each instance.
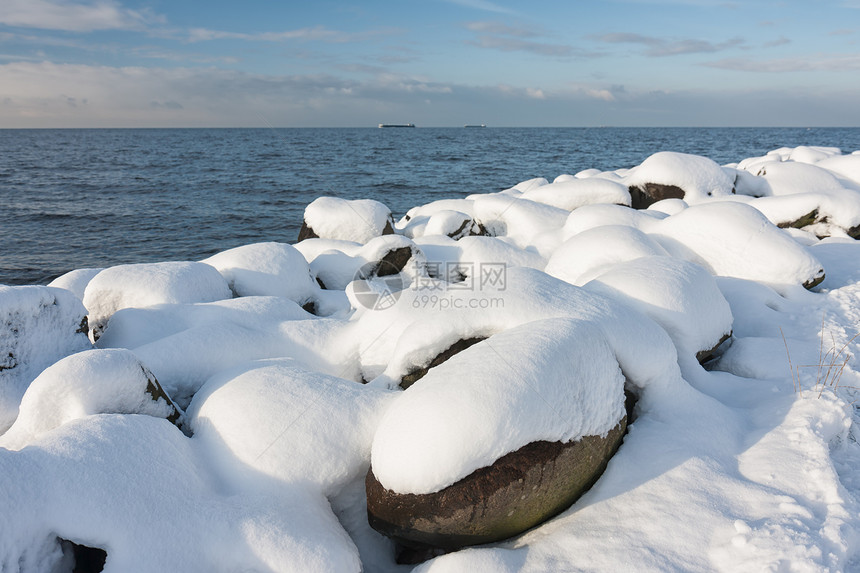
<point>482,404</point>
<point>790,178</point>
<point>515,217</point>
<point>266,269</point>
<point>735,240</point>
<point>356,220</point>
<point>38,326</point>
<point>570,194</point>
<point>519,490</point>
<point>668,174</point>
<point>148,284</point>
<point>87,383</point>
<point>680,296</point>
<point>591,216</point>
<point>454,224</point>
<point>592,252</point>
<point>289,423</point>
<point>75,281</point>
<point>185,345</point>
<point>835,212</point>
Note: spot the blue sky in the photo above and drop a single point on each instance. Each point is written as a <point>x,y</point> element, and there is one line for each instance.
<point>118,63</point>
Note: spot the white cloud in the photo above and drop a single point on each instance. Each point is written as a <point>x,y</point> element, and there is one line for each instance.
<point>535,93</point>
<point>45,94</point>
<point>660,47</point>
<point>484,5</point>
<point>604,95</point>
<point>315,33</point>
<point>70,16</point>
<point>499,36</point>
<point>847,62</point>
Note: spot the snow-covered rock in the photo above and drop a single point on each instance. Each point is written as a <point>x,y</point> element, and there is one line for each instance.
<point>668,174</point>
<point>266,269</point>
<point>356,220</point>
<point>148,284</point>
<point>38,326</point>
<point>87,383</point>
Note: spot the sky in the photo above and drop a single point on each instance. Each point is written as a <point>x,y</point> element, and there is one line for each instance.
<point>328,63</point>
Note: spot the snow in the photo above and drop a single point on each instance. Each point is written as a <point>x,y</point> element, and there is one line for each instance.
<point>263,414</point>
<point>681,297</point>
<point>552,380</point>
<point>748,463</point>
<point>573,193</point>
<point>736,240</point>
<point>75,281</point>
<point>586,255</point>
<point>41,325</point>
<point>265,269</point>
<point>147,284</point>
<point>699,177</point>
<point>358,220</point>
<point>86,383</point>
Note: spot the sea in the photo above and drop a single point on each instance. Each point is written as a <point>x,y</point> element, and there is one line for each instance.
<point>84,198</point>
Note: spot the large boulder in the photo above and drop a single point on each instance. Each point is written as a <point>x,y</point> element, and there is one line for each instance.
<point>484,447</point>
<point>358,220</point>
<point>519,491</point>
<point>266,269</point>
<point>670,175</point>
<point>38,326</point>
<point>148,284</point>
<point>91,382</point>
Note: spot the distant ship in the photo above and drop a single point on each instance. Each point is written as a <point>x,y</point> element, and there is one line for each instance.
<point>475,125</point>
<point>396,125</point>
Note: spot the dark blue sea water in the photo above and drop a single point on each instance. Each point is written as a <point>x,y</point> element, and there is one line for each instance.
<point>76,198</point>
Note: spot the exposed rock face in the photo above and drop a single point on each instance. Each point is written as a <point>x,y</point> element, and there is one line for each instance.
<point>650,193</point>
<point>417,373</point>
<point>394,261</point>
<point>519,491</point>
<point>814,282</point>
<point>704,355</point>
<point>307,232</point>
<point>800,222</point>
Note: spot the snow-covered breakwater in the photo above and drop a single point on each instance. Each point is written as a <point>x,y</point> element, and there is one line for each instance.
<point>231,411</point>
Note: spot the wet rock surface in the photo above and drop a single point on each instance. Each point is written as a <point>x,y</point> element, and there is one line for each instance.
<point>519,491</point>
<point>648,194</point>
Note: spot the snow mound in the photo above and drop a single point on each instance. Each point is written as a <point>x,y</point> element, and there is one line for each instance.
<point>592,216</point>
<point>454,224</point>
<point>265,269</point>
<point>87,383</point>
<point>573,193</point>
<point>148,284</point>
<point>516,217</point>
<point>83,481</point>
<point>590,253</point>
<point>75,281</point>
<point>846,168</point>
<point>699,177</point>
<point>289,423</point>
<point>789,178</point>
<point>185,345</point>
<point>40,326</point>
<point>357,220</point>
<point>736,240</point>
<point>553,380</point>
<point>681,297</point>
